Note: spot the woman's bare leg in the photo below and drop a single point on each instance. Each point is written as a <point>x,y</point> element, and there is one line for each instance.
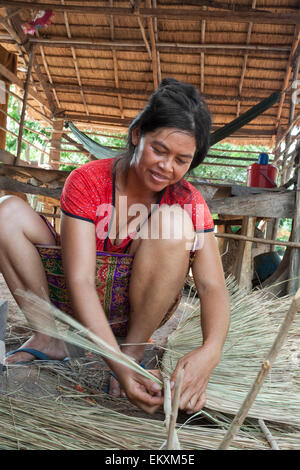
<point>159,270</point>
<point>22,268</point>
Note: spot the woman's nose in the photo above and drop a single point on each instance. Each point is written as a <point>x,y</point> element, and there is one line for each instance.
<point>165,164</point>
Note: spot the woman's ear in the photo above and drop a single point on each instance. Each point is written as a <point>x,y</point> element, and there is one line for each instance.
<point>135,136</point>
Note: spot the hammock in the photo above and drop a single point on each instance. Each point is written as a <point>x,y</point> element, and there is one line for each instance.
<point>100,151</point>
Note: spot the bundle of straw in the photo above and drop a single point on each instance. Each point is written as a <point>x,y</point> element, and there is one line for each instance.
<point>255,319</point>
<point>72,423</point>
<point>26,423</point>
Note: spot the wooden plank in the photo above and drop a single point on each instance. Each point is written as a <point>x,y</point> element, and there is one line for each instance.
<point>40,174</point>
<point>278,205</point>
<point>10,184</point>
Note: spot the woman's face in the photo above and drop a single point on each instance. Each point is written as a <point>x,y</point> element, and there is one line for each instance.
<point>162,157</point>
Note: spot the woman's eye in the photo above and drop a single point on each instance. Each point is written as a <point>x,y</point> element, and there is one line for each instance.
<point>159,152</point>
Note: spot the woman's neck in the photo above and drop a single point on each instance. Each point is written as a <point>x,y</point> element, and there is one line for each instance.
<point>128,184</point>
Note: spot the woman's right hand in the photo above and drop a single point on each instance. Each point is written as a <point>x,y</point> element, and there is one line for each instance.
<point>142,392</point>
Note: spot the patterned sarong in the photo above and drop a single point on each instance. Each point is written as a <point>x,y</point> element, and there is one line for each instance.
<point>113,271</point>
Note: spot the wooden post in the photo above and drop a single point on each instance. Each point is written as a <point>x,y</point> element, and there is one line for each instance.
<point>55,148</point>
<point>243,266</point>
<point>25,96</point>
<point>294,272</point>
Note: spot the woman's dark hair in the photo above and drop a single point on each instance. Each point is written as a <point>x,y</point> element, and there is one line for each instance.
<point>179,105</point>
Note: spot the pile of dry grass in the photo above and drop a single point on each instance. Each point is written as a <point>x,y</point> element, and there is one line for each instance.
<point>255,320</point>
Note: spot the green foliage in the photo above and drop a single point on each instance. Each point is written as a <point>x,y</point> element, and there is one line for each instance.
<point>229,173</point>
<point>14,110</point>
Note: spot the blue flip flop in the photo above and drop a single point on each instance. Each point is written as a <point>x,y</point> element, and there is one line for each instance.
<point>112,374</point>
<point>39,356</point>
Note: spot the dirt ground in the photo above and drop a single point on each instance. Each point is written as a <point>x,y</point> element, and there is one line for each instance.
<point>85,369</point>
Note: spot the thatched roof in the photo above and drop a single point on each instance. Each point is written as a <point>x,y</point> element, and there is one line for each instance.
<point>99,61</point>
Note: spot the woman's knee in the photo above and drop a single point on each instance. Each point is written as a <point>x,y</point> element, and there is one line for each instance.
<point>10,208</point>
<point>16,216</point>
<point>171,223</point>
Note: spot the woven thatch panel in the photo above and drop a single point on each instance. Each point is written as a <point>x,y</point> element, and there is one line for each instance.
<point>243,61</point>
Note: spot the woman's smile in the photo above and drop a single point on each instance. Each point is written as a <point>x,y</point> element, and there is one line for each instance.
<point>164,156</point>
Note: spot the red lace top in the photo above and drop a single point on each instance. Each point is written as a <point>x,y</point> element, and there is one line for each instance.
<point>89,192</point>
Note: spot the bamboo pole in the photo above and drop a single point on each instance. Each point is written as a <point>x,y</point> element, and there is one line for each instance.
<point>258,240</point>
<point>25,96</point>
<point>262,374</point>
<point>153,47</point>
<point>167,46</point>
<point>171,442</point>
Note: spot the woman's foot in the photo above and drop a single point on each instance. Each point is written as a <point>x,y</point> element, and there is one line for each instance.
<point>52,347</point>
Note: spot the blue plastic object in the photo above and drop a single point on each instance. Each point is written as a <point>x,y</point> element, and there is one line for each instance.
<point>263,159</point>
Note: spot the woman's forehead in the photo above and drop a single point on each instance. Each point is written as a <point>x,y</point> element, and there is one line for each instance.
<point>172,136</point>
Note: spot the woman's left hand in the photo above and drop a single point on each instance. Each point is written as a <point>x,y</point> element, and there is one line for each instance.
<point>198,366</point>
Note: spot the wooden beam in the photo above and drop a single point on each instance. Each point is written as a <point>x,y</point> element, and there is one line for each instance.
<point>24,105</point>
<point>10,184</point>
<point>63,86</point>
<point>273,204</point>
<point>259,17</point>
<point>163,46</point>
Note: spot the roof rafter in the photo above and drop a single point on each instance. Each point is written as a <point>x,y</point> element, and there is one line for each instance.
<point>43,56</point>
<point>75,60</point>
<point>156,40</point>
<point>163,46</point>
<point>115,63</point>
<point>153,47</point>
<point>245,59</point>
<point>203,26</point>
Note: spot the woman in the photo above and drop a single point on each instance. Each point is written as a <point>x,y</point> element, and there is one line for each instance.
<point>137,208</point>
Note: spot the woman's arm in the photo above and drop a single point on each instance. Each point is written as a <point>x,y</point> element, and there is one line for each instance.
<point>215,316</point>
<point>78,242</point>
